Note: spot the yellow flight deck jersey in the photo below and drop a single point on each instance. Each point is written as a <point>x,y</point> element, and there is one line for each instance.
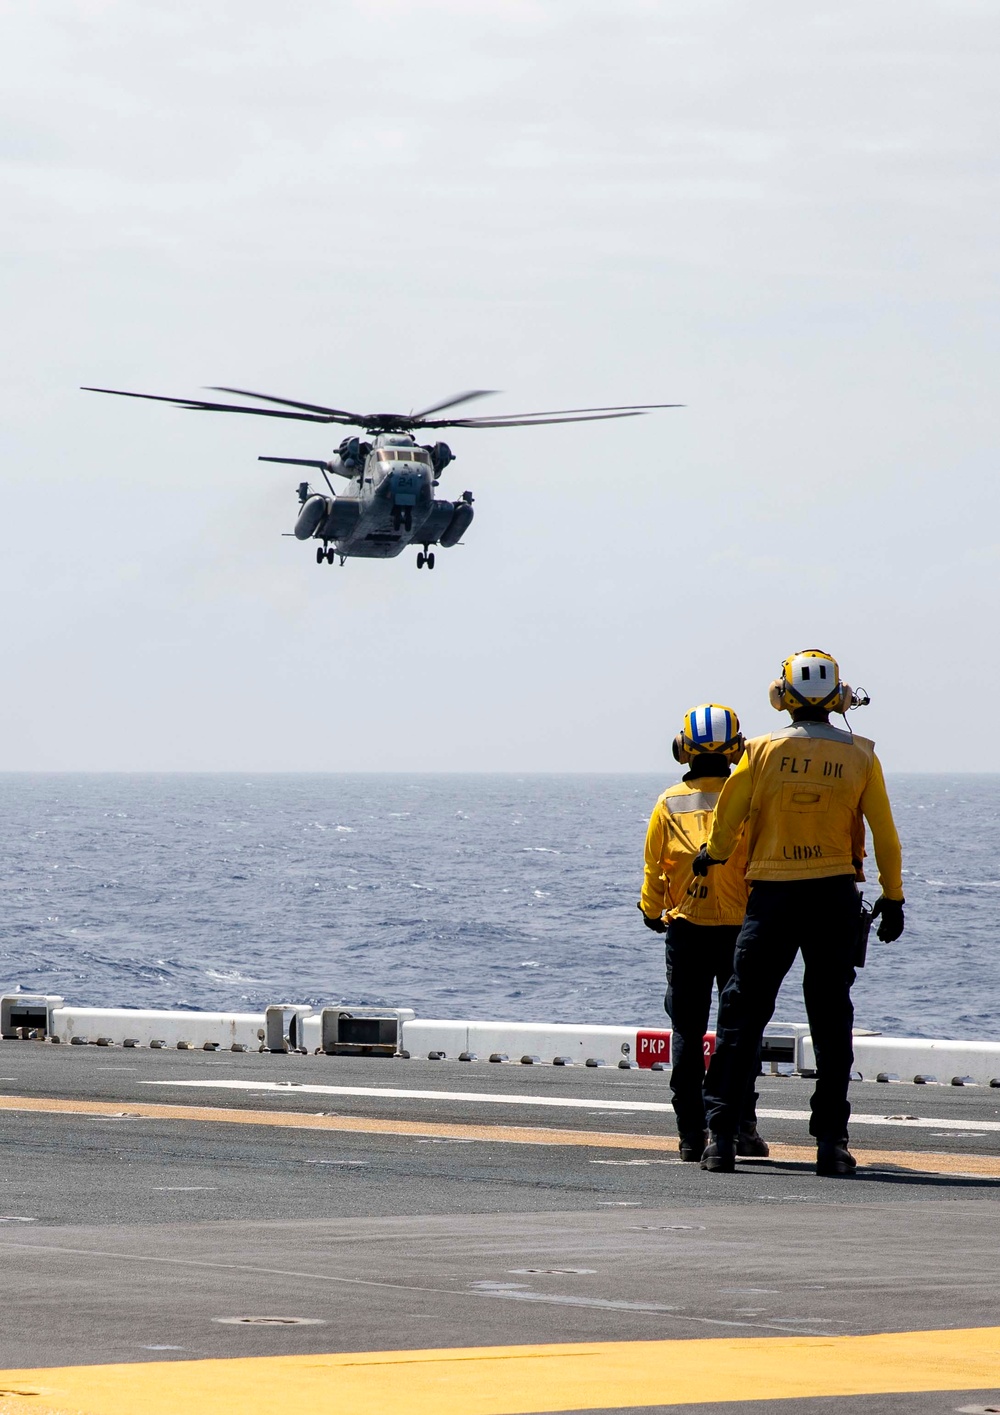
<point>677,830</point>
<point>807,791</point>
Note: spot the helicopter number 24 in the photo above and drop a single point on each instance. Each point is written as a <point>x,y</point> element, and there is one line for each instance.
<point>390,498</point>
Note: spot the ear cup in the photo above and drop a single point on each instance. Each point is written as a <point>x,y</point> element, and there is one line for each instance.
<point>776,694</point>
<point>679,750</point>
<point>738,749</point>
<point>846,698</point>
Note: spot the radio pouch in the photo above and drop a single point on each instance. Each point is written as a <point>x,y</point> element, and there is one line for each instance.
<point>865,920</point>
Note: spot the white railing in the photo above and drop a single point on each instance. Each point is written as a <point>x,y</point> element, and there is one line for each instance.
<point>299,1027</point>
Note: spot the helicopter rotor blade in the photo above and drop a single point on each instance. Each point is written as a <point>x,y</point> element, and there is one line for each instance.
<point>288,402</point>
<point>392,422</point>
<point>453,402</point>
<point>197,405</point>
<point>566,412</point>
<point>538,422</point>
<point>298,462</point>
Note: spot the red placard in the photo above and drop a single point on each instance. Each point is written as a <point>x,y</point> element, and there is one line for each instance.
<point>653,1046</point>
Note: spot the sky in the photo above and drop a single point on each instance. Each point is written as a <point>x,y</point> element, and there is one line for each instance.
<point>782,216</point>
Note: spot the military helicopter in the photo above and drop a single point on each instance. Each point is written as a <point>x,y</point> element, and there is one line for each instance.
<point>389,501</point>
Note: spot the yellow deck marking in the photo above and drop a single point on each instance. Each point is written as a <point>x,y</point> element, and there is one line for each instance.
<point>515,1380</point>
<point>977,1166</point>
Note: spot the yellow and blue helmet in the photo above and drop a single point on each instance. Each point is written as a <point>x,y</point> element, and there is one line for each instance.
<point>810,678</point>
<point>709,727</point>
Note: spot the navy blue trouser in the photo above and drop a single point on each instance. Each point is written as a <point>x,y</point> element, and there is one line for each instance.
<point>698,956</point>
<point>820,917</point>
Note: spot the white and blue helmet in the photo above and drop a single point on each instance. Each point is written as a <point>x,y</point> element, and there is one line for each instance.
<point>709,727</point>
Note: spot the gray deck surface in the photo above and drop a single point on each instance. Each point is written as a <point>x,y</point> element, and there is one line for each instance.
<point>126,1239</point>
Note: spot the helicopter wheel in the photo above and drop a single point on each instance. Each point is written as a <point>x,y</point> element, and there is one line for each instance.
<point>421,559</point>
<point>320,556</point>
<point>331,556</point>
<point>430,560</point>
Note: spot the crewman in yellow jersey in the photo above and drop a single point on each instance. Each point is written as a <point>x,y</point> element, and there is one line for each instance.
<point>804,793</point>
<point>702,916</point>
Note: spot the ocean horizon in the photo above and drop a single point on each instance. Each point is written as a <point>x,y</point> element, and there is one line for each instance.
<point>461,894</point>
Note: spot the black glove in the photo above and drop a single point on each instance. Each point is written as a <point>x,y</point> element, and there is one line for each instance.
<point>703,862</point>
<point>657,924</point>
<point>891,925</point>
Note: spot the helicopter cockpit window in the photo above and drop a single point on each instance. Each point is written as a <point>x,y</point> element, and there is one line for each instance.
<point>403,454</point>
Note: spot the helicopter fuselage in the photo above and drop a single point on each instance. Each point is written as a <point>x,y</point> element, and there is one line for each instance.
<point>389,503</point>
<point>390,499</point>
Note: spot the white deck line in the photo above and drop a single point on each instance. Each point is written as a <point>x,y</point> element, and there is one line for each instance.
<point>556,1102</point>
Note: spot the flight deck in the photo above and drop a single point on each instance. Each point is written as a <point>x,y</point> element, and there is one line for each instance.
<point>250,1232</point>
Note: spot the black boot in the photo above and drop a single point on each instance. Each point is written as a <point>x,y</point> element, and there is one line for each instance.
<point>693,1145</point>
<point>751,1145</point>
<point>720,1155</point>
<point>833,1157</point>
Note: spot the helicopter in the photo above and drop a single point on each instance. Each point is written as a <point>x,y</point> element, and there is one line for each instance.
<point>389,501</point>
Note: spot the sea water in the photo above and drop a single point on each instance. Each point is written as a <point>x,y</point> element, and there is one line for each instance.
<point>504,896</point>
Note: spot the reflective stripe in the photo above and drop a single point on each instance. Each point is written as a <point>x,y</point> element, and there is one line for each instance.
<point>693,801</point>
<point>826,730</point>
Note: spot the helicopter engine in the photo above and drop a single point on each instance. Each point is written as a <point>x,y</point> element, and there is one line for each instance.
<point>352,452</point>
<point>441,457</point>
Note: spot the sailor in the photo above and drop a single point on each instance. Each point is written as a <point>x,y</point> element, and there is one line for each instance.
<point>700,917</point>
<point>805,791</point>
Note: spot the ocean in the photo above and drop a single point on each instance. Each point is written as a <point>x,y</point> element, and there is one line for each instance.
<point>501,896</point>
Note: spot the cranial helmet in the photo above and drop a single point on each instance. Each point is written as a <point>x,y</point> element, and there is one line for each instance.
<point>710,727</point>
<point>810,679</point>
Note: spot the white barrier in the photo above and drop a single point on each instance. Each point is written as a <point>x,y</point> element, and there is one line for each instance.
<point>541,1041</point>
<point>571,1044</point>
<point>281,1027</point>
<point>298,1027</point>
<point>185,1031</point>
<point>912,1059</point>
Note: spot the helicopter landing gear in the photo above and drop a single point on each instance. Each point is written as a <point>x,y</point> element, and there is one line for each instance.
<point>425,557</point>
<point>320,555</point>
<point>331,556</point>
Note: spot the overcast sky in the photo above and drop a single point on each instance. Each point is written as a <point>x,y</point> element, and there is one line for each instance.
<point>781,215</point>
